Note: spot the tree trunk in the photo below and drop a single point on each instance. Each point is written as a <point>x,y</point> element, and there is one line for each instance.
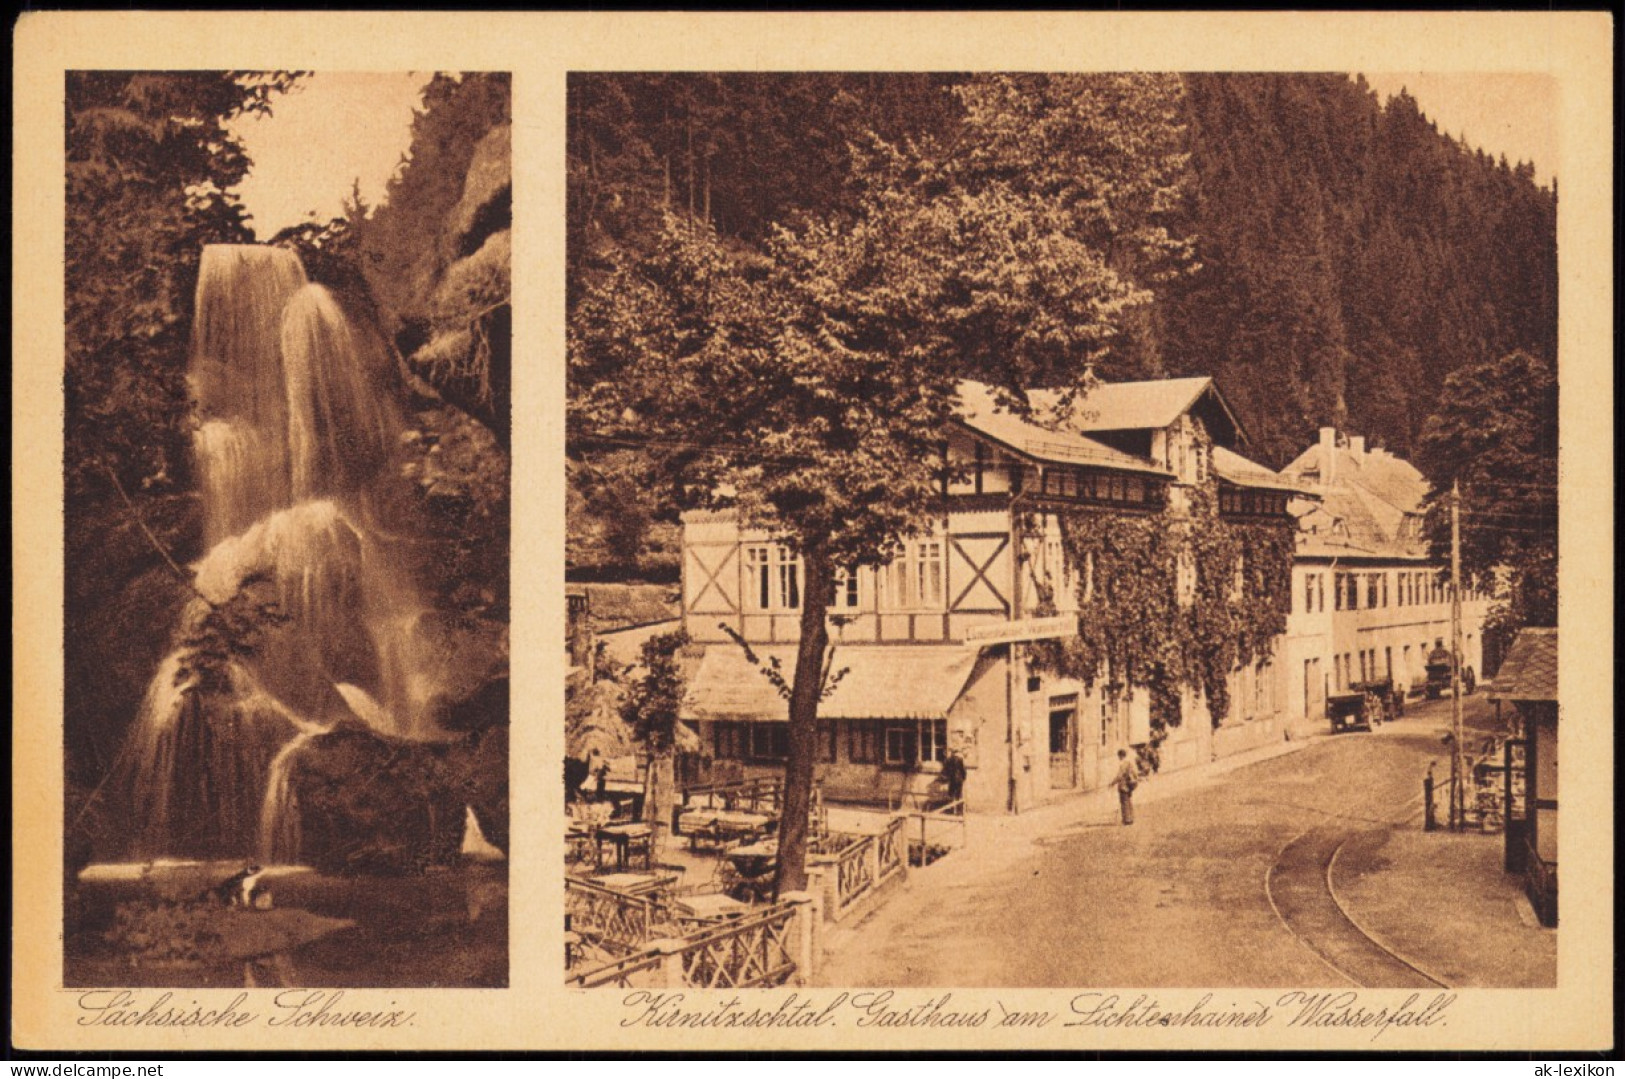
<point>805,690</point>
<point>659,790</point>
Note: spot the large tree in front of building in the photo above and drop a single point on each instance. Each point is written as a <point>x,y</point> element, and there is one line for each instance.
<point>1495,432</point>
<point>805,382</point>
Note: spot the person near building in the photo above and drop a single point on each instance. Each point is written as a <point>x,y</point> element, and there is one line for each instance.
<point>1128,777</point>
<point>953,773</point>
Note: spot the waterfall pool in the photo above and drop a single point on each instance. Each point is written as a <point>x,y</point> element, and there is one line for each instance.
<point>441,929</point>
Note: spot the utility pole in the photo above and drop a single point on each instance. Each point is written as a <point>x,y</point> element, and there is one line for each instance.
<point>1458,802</point>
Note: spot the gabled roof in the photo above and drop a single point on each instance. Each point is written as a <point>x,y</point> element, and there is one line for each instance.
<point>1371,508</point>
<point>1529,672</point>
<point>980,411</point>
<point>1376,473</point>
<point>1141,406</point>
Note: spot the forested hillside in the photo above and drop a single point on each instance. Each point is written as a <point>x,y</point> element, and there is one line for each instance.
<point>1353,256</point>
<point>1348,256</point>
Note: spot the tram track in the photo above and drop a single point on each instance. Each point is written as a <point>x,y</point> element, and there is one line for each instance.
<point>1299,887</point>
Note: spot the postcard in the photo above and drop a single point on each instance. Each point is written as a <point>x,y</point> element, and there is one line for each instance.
<point>792,532</point>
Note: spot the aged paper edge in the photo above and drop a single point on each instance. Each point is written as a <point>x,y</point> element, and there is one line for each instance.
<point>536,1012</point>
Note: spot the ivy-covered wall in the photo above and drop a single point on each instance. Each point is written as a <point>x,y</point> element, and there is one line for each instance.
<point>1172,600</point>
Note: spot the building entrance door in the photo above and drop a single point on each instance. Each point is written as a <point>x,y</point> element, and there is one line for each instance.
<point>1314,688</point>
<point>1063,742</point>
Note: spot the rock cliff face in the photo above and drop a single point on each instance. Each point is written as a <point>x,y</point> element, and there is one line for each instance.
<point>457,328</point>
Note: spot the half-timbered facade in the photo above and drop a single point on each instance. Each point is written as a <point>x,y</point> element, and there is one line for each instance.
<point>927,650</point>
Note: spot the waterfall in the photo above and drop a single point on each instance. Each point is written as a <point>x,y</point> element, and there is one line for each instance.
<point>304,616</point>
<point>279,813</point>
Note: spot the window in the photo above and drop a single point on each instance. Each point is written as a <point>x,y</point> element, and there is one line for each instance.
<point>908,745</point>
<point>1320,591</point>
<point>1136,489</point>
<point>933,739</point>
<point>863,742</point>
<point>1309,592</point>
<point>901,743</point>
<point>772,577</point>
<point>769,741</point>
<point>1388,661</point>
<point>1383,577</point>
<point>1371,590</point>
<point>826,741</point>
<point>913,580</point>
<point>846,590</point>
<point>728,741</point>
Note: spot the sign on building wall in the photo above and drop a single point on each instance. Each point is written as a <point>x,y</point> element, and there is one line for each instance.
<point>1024,629</point>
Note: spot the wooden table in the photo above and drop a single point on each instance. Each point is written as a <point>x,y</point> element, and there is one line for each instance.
<point>635,883</point>
<point>626,838</point>
<point>709,907</point>
<point>719,826</point>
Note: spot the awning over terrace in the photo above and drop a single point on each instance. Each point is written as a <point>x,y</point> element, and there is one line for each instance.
<point>881,682</point>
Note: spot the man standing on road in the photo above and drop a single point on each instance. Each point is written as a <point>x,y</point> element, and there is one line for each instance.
<point>1128,777</point>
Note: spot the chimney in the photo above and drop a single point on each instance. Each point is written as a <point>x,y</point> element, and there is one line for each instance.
<point>1357,448</point>
<point>1328,456</point>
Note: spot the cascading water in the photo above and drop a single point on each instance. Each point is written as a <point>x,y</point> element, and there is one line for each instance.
<point>293,449</point>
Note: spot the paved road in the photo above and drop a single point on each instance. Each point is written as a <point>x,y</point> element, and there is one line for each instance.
<point>1223,883</point>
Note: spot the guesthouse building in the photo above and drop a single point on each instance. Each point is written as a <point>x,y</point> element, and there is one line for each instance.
<point>1369,602</point>
<point>929,653</point>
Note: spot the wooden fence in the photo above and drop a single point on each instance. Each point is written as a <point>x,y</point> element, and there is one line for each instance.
<point>613,920</point>
<point>765,949</point>
<point>855,865</point>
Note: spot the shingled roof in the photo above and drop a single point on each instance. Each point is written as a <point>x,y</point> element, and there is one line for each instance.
<point>980,411</point>
<point>1529,672</point>
<point>1236,469</point>
<point>1139,406</point>
<point>1372,507</point>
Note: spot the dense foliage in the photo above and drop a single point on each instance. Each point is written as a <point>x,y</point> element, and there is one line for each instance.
<point>150,159</point>
<point>805,381</point>
<point>1496,434</point>
<point>1354,256</point>
<point>1347,255</point>
<point>1174,600</point>
<point>436,251</point>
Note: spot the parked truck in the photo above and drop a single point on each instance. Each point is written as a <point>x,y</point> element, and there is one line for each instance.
<point>1439,669</point>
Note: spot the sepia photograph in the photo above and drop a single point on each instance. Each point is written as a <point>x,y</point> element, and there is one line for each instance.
<point>1058,526</point>
<point>1061,530</point>
<point>286,529</point>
